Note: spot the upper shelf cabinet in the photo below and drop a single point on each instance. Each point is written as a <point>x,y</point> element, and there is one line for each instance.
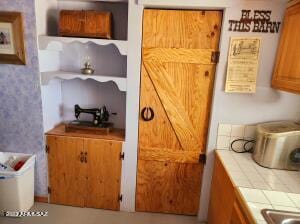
<point>286,74</point>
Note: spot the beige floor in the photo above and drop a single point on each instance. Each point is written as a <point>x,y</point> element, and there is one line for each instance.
<point>71,215</point>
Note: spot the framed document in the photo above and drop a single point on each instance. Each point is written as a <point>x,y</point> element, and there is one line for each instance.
<point>242,65</point>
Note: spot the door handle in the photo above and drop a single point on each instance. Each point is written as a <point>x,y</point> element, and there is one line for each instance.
<point>85,157</point>
<point>81,157</point>
<point>147,114</point>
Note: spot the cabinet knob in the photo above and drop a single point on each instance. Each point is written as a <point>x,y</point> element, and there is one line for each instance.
<point>81,157</point>
<point>85,157</point>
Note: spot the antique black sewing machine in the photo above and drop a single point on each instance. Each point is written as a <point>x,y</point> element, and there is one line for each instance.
<point>100,115</point>
<point>98,125</point>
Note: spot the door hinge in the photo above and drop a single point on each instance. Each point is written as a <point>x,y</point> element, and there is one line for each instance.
<point>120,198</point>
<point>202,158</point>
<point>215,55</point>
<point>122,156</point>
<point>49,190</point>
<point>47,149</point>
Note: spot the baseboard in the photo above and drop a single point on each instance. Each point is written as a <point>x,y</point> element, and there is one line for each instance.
<point>43,199</point>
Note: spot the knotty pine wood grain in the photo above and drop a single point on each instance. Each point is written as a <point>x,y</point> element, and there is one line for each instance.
<point>104,176</point>
<point>170,99</point>
<point>189,29</point>
<point>178,88</point>
<point>67,175</point>
<point>286,74</point>
<point>158,133</point>
<point>168,155</point>
<point>168,187</point>
<point>178,55</point>
<point>194,85</point>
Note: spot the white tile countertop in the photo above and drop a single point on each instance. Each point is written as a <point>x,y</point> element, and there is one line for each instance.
<point>262,187</point>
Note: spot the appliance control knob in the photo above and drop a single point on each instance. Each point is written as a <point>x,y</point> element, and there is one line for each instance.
<point>295,156</point>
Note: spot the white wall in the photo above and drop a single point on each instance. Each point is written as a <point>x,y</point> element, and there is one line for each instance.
<point>266,104</point>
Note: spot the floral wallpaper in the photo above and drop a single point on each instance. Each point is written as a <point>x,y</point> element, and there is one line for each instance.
<point>21,124</point>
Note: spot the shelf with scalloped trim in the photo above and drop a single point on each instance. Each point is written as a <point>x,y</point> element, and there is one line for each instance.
<point>121,82</point>
<point>55,43</point>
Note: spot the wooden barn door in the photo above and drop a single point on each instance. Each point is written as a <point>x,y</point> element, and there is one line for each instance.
<point>180,51</point>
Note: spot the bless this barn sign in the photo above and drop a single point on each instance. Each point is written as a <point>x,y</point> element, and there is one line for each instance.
<point>258,21</point>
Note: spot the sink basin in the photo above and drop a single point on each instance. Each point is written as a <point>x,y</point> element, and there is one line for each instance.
<point>280,217</point>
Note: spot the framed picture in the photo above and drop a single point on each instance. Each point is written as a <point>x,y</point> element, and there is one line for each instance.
<point>12,49</point>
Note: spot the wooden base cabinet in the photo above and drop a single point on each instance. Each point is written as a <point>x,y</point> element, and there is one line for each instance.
<point>286,74</point>
<point>84,172</point>
<point>226,205</point>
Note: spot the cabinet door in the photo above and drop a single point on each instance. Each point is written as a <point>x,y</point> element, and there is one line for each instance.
<point>222,195</point>
<point>237,216</point>
<point>104,173</point>
<point>66,170</point>
<point>287,69</point>
<point>176,86</point>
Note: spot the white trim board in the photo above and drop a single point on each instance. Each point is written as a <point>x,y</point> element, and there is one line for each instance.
<point>188,4</point>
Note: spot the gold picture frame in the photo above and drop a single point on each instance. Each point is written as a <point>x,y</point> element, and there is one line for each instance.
<point>12,48</point>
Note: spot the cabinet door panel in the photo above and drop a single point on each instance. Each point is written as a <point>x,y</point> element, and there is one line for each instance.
<point>104,173</point>
<point>66,171</point>
<point>287,69</point>
<point>168,187</point>
<point>237,216</point>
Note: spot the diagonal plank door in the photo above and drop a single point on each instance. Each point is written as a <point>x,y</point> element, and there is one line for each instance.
<point>176,84</point>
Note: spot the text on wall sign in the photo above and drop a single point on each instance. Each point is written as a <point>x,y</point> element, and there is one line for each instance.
<point>258,21</point>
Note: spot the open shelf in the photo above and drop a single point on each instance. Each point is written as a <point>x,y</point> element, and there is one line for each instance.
<point>47,76</point>
<point>55,43</point>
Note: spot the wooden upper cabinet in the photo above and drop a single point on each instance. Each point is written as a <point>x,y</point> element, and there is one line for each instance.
<point>287,68</point>
<point>84,172</point>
